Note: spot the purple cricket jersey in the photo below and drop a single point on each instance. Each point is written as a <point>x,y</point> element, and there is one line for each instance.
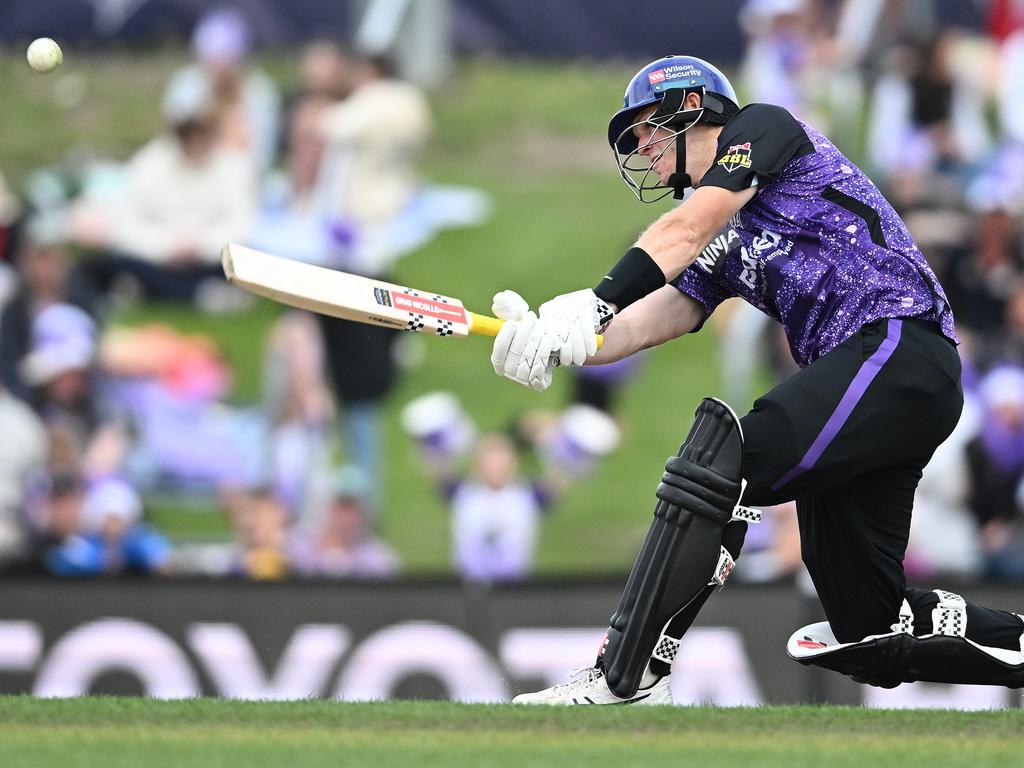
<point>818,248</point>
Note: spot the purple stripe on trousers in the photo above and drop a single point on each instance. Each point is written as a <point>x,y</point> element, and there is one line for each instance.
<point>868,370</point>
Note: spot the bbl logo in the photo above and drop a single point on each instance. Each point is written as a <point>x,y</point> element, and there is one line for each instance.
<point>738,156</point>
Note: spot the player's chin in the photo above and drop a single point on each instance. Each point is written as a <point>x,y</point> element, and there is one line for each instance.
<point>660,169</point>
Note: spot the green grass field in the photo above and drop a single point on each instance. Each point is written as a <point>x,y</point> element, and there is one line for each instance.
<point>533,137</point>
<point>115,732</point>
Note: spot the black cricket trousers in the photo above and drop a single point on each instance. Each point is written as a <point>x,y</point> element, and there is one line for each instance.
<point>846,438</point>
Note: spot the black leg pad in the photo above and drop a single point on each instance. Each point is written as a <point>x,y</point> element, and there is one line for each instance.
<point>698,492</point>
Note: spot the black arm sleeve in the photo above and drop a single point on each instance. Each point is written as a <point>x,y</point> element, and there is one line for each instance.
<point>754,147</point>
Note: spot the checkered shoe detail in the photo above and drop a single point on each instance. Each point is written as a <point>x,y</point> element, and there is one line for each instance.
<point>950,622</point>
<point>950,616</point>
<point>905,625</point>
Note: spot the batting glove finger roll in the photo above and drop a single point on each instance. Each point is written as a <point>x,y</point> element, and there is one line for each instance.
<point>509,305</point>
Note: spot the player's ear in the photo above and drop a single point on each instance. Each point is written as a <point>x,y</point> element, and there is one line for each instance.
<point>692,100</point>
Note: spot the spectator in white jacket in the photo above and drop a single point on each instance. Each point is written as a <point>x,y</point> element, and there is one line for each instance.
<point>186,193</point>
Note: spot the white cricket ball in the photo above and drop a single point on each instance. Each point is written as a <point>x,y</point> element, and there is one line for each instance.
<point>44,55</point>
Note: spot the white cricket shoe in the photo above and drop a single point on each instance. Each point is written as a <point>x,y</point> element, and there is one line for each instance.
<point>587,686</point>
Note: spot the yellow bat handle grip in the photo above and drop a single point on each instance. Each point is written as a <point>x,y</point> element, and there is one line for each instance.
<point>485,325</point>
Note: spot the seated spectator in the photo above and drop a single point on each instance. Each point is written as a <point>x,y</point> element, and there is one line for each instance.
<point>259,521</point>
<point>110,536</point>
<point>22,461</point>
<point>325,71</point>
<point>996,464</point>
<point>247,103</point>
<point>186,194</point>
<point>56,513</point>
<point>343,544</point>
<point>62,379</point>
<point>46,277</point>
<point>67,389</point>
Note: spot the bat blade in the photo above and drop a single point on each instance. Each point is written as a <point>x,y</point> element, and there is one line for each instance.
<point>350,297</point>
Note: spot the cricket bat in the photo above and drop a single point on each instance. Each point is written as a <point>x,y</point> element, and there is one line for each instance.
<point>352,297</point>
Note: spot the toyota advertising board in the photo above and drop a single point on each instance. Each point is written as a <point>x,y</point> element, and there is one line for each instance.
<point>404,639</point>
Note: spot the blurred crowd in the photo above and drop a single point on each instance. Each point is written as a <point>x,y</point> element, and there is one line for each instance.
<point>100,420</point>
<point>943,136</point>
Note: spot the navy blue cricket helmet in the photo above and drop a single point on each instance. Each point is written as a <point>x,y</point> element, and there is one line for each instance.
<point>650,85</point>
<point>665,83</point>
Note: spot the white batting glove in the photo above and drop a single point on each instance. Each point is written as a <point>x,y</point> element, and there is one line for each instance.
<point>575,318</point>
<point>509,305</point>
<point>522,352</point>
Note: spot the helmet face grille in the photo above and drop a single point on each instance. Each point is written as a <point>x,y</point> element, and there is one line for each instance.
<point>636,169</point>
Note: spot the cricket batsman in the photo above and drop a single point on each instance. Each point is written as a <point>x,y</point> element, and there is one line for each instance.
<point>778,216</point>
